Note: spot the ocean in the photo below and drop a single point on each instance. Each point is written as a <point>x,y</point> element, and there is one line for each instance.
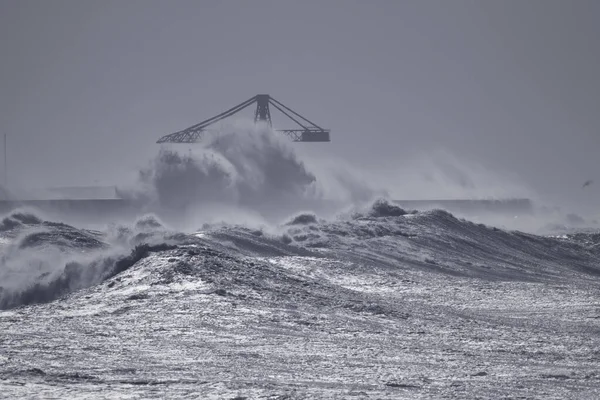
<point>208,291</point>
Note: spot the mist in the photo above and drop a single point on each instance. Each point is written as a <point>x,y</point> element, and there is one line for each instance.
<point>241,174</point>
<point>424,99</point>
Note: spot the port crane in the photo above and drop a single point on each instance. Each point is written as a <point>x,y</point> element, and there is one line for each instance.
<point>306,132</point>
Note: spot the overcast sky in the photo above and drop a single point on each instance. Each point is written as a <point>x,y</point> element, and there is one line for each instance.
<point>86,87</point>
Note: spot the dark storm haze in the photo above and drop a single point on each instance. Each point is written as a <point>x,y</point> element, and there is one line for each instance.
<point>427,99</point>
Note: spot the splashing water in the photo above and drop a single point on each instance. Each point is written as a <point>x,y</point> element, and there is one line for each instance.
<point>245,175</point>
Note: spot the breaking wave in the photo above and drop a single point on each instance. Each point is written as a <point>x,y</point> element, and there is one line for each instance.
<point>238,188</point>
<point>248,174</point>
<point>18,218</point>
<point>43,261</point>
<point>75,276</point>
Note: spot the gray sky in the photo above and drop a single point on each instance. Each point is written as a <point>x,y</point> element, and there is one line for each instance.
<point>88,86</point>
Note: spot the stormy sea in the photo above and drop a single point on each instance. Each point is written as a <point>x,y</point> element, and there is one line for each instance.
<point>235,279</point>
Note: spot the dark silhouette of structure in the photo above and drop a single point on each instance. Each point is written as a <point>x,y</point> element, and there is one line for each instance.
<point>308,131</point>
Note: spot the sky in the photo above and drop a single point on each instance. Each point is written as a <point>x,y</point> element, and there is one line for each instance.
<point>508,87</point>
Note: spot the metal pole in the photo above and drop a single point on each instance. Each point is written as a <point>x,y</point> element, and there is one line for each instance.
<point>5,166</point>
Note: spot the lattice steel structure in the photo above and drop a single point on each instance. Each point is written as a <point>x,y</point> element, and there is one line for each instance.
<point>308,131</point>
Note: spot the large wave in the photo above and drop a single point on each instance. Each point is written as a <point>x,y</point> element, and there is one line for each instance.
<point>249,174</point>
<point>239,186</point>
<point>43,260</point>
<point>384,234</point>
